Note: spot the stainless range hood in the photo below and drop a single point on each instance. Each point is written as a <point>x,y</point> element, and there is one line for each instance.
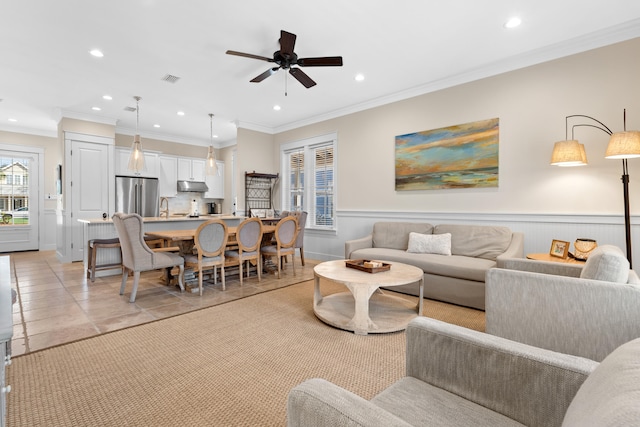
<point>195,186</point>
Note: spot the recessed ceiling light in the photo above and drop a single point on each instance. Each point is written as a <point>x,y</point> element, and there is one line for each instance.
<point>156,125</point>
<point>181,113</point>
<point>96,53</point>
<point>359,77</point>
<point>277,107</point>
<point>107,97</point>
<point>13,120</point>
<point>215,136</point>
<point>96,108</point>
<point>513,22</point>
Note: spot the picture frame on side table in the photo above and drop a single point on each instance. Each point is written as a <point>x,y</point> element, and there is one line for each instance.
<point>559,248</point>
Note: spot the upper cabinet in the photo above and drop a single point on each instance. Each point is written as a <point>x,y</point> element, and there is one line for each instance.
<point>216,183</point>
<point>150,164</point>
<point>191,169</point>
<point>168,176</point>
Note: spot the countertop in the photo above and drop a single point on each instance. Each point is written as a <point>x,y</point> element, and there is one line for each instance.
<point>172,218</point>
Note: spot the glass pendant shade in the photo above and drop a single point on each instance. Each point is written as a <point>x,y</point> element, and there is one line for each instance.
<point>623,145</point>
<point>568,153</point>
<point>211,168</point>
<point>136,156</point>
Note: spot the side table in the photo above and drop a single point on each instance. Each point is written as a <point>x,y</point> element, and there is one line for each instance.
<point>547,257</point>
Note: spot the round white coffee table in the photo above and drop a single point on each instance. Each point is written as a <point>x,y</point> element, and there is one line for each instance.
<point>365,308</point>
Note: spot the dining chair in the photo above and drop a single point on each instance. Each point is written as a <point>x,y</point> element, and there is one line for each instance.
<point>137,256</point>
<point>301,216</point>
<point>249,238</point>
<point>285,234</point>
<point>210,241</point>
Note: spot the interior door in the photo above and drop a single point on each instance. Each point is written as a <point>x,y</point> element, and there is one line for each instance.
<point>89,189</point>
<point>19,200</point>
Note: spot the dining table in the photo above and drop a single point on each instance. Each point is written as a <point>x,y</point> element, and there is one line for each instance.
<point>184,240</point>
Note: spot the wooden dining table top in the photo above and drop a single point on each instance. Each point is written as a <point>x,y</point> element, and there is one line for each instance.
<point>178,235</point>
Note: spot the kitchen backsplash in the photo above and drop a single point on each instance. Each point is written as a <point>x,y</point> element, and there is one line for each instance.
<point>182,203</point>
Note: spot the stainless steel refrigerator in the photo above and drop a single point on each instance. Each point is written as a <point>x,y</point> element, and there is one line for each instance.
<point>137,195</point>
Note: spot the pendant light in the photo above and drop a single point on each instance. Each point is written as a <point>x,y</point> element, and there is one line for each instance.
<point>211,168</point>
<point>136,157</point>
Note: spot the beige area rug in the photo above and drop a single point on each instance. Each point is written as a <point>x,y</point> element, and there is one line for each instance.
<point>228,365</point>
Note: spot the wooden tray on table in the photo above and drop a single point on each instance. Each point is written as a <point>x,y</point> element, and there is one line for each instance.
<point>362,265</point>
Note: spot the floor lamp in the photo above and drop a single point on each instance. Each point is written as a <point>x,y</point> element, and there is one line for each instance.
<point>622,145</point>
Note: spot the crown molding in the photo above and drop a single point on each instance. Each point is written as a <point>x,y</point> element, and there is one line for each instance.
<point>594,40</point>
<point>29,131</point>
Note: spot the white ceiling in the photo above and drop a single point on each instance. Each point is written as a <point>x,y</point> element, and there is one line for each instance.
<point>404,48</point>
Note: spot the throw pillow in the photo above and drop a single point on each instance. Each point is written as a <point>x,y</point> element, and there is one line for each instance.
<point>430,243</point>
<point>608,263</point>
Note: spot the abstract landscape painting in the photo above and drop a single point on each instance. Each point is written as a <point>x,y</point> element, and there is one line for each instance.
<point>461,156</point>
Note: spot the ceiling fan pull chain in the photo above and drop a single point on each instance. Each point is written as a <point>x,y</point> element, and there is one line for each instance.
<point>285,84</point>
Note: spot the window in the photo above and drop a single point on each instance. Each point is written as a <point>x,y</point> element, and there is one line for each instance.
<point>14,191</point>
<point>313,159</point>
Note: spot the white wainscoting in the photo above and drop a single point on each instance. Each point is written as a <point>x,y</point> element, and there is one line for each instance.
<point>539,229</point>
<point>48,231</point>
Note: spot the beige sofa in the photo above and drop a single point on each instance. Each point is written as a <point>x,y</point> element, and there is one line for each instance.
<point>460,377</point>
<point>457,278</point>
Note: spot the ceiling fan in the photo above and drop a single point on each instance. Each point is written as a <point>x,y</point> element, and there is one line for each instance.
<point>285,58</point>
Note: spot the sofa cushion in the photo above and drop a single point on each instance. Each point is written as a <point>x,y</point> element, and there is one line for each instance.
<point>608,263</point>
<point>449,266</point>
<point>395,235</point>
<point>610,395</point>
<point>422,404</point>
<point>480,241</point>
<point>429,243</point>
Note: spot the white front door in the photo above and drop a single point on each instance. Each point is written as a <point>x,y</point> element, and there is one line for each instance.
<point>89,189</point>
<point>19,198</point>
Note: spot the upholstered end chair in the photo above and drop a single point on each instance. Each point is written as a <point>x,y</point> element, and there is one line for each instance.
<point>585,310</point>
<point>137,256</point>
<point>460,377</point>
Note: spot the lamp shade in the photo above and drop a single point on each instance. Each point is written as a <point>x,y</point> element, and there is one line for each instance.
<point>568,153</point>
<point>623,145</point>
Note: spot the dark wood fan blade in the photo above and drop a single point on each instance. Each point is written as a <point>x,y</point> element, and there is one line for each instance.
<point>264,75</point>
<point>302,77</point>
<point>327,61</point>
<point>287,43</point>
<point>249,55</point>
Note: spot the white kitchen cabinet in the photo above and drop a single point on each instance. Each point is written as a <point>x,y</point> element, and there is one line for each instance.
<point>168,176</point>
<point>150,164</point>
<point>216,183</point>
<point>191,169</point>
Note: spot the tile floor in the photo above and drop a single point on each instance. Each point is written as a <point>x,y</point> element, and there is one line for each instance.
<point>57,303</point>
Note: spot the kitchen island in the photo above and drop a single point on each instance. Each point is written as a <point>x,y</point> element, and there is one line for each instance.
<point>104,229</point>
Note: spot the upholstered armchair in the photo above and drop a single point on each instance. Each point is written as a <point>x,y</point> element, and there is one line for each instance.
<point>585,310</point>
<point>460,377</point>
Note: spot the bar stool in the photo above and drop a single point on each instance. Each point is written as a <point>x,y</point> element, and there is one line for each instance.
<point>93,246</point>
